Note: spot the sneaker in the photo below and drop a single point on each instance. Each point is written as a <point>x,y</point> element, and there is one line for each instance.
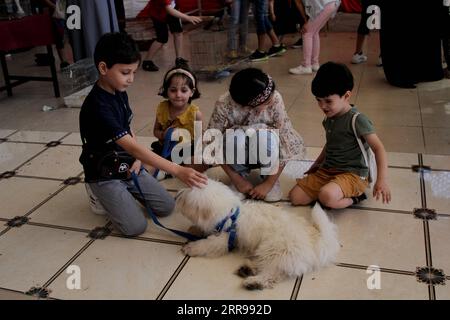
<point>315,67</point>
<point>148,65</point>
<point>359,58</point>
<point>181,63</point>
<point>276,51</point>
<point>298,44</point>
<point>240,195</point>
<point>275,194</point>
<point>301,70</point>
<point>94,202</point>
<point>258,56</point>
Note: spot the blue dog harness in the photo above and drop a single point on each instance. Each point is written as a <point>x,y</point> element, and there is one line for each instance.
<point>231,229</point>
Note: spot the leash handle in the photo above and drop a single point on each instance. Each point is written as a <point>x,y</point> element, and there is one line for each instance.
<point>183,234</point>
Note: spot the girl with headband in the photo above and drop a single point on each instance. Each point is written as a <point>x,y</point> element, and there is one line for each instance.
<point>179,88</point>
<point>253,103</point>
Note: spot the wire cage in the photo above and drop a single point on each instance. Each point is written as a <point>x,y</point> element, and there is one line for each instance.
<point>209,51</point>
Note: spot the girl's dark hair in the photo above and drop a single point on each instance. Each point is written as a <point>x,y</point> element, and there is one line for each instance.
<point>184,73</point>
<point>332,78</point>
<point>247,84</point>
<point>115,48</point>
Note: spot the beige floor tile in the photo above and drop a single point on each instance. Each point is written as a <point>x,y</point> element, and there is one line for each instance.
<point>60,162</point>
<point>440,237</point>
<point>312,132</point>
<point>437,140</point>
<point>383,114</point>
<point>437,162</point>
<point>434,92</point>
<point>337,283</point>
<point>436,115</point>
<point>110,269</point>
<point>214,279</point>
<point>373,238</point>
<point>174,221</point>
<point>36,136</point>
<point>4,133</point>
<point>14,295</point>
<point>402,198</point>
<point>13,155</point>
<point>443,292</point>
<point>400,159</point>
<point>437,187</point>
<point>69,208</point>
<point>401,139</point>
<point>19,195</point>
<point>73,138</point>
<point>407,97</point>
<point>32,255</point>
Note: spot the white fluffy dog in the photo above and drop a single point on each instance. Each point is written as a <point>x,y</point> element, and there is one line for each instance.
<point>278,244</point>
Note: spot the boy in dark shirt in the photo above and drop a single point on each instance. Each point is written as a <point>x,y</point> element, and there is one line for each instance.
<point>105,120</point>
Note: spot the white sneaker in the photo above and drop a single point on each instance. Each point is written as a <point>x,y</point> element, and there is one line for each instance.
<point>358,58</point>
<point>315,67</point>
<point>94,202</point>
<point>237,192</point>
<point>275,194</point>
<point>301,70</point>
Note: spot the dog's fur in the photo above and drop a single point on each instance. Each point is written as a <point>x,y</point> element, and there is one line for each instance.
<point>277,243</point>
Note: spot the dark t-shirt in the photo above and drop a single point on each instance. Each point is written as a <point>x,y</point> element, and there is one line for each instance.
<point>342,151</point>
<point>104,118</point>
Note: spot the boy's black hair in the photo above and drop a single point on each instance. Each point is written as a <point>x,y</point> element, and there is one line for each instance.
<point>115,48</point>
<point>192,85</point>
<point>247,84</point>
<point>332,78</point>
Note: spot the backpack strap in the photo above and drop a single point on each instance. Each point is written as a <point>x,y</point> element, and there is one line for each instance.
<point>360,144</point>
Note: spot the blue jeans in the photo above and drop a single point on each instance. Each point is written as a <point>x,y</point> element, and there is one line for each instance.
<point>238,24</point>
<point>261,12</point>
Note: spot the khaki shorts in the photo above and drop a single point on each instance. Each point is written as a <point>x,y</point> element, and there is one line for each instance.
<point>351,184</point>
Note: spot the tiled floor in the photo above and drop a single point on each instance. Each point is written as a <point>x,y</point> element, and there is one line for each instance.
<point>45,221</point>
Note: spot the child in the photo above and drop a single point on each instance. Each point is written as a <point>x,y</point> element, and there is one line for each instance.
<point>105,122</point>
<point>319,12</point>
<point>179,88</point>
<point>339,175</point>
<point>164,17</point>
<point>286,18</point>
<point>264,30</point>
<point>253,102</point>
<point>238,29</point>
<point>57,10</point>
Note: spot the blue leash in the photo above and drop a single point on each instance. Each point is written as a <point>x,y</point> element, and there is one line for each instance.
<point>183,234</point>
<point>167,147</point>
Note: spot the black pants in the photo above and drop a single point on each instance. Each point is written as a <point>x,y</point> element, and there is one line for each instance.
<point>410,41</point>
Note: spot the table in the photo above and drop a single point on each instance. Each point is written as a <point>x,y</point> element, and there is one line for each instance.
<point>27,32</point>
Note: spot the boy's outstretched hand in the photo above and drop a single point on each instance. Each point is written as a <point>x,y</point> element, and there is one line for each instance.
<point>192,177</point>
<point>381,189</point>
